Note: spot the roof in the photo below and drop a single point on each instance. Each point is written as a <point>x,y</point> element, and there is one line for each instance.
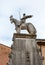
<point>40,41</point>
<point>4,52</point>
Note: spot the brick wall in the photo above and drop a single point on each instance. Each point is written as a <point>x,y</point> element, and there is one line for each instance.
<point>4,52</point>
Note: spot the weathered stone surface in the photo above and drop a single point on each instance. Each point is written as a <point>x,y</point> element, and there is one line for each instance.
<point>22,46</point>
<point>24,50</point>
<point>28,36</point>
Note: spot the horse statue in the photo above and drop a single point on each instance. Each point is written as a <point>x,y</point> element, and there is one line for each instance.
<point>21,25</point>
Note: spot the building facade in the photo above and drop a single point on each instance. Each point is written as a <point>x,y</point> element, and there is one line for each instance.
<point>5,51</point>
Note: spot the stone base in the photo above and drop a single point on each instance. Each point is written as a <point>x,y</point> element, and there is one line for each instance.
<point>29,36</point>
<point>24,50</point>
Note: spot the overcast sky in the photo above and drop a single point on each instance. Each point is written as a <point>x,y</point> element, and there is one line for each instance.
<point>13,7</point>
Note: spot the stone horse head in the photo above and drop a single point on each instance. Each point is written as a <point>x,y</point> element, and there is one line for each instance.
<point>15,21</point>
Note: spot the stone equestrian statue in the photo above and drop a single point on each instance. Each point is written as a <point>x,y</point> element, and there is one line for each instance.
<point>22,25</point>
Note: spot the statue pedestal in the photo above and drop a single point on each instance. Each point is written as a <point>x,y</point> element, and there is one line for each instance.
<point>24,50</point>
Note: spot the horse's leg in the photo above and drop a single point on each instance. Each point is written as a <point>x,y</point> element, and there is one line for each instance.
<point>27,28</point>
<point>18,29</point>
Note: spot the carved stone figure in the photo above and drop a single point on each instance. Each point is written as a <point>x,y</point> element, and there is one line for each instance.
<point>21,25</point>
<point>24,50</point>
